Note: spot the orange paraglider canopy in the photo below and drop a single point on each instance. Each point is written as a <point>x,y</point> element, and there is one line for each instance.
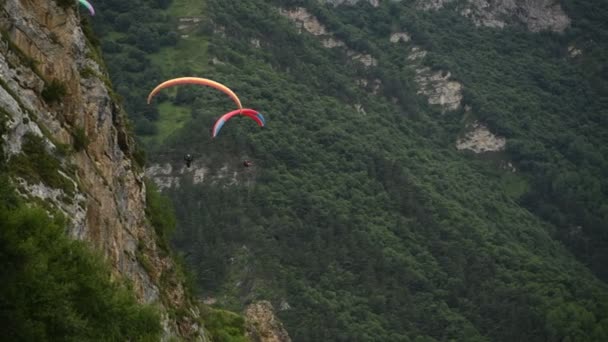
<point>198,81</point>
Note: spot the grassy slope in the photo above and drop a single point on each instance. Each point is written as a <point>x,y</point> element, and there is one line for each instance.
<point>190,54</point>
<point>371,226</point>
<point>183,8</point>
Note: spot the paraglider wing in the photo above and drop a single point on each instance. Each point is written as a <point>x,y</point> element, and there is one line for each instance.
<point>261,117</point>
<point>219,124</point>
<point>88,5</point>
<point>195,80</point>
<point>253,114</point>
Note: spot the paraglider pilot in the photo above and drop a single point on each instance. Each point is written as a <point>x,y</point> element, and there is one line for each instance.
<point>188,159</point>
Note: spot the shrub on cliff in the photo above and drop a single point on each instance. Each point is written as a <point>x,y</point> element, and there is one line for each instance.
<point>53,91</point>
<point>81,140</point>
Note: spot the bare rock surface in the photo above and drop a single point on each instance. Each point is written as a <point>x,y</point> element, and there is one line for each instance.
<point>168,176</point>
<point>263,325</point>
<point>304,20</point>
<point>438,87</point>
<point>400,37</point>
<point>374,3</point>
<point>479,139</point>
<point>537,15</point>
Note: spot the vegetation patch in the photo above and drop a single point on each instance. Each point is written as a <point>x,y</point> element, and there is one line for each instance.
<point>55,288</point>
<point>143,259</point>
<point>133,54</point>
<point>54,91</point>
<point>374,227</point>
<point>186,8</point>
<point>139,156</point>
<point>159,211</point>
<point>81,140</point>
<point>224,326</point>
<point>171,119</point>
<point>88,72</point>
<point>92,41</point>
<point>35,164</point>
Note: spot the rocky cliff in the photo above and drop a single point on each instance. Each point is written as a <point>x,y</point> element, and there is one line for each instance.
<point>262,324</point>
<point>536,15</point>
<point>56,96</point>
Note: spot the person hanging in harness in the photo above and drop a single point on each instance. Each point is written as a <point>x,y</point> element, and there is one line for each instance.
<point>247,163</point>
<point>188,159</point>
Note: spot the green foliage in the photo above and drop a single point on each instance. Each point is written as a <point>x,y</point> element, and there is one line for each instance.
<point>127,52</point>
<point>159,211</point>
<point>54,91</point>
<point>145,128</point>
<point>87,72</point>
<point>81,140</point>
<point>93,42</point>
<point>551,113</point>
<point>139,155</point>
<point>54,288</point>
<point>143,259</point>
<point>36,164</point>
<point>373,227</point>
<point>223,326</point>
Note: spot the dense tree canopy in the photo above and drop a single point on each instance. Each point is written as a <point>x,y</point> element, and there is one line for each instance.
<point>370,225</point>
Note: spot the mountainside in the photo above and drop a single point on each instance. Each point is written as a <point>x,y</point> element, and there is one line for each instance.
<point>67,149</point>
<point>429,170</point>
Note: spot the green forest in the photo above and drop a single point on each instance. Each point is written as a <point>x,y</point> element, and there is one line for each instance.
<point>372,226</point>
<point>54,288</point>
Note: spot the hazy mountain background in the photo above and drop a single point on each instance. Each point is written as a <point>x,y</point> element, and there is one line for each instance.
<point>430,170</point>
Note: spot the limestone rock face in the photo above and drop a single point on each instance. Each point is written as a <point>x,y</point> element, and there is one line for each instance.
<point>480,139</point>
<point>305,21</point>
<point>262,324</point>
<point>374,3</point>
<point>432,4</point>
<point>43,43</point>
<point>170,176</point>
<point>400,37</point>
<point>365,59</point>
<point>331,43</point>
<point>439,88</point>
<point>162,175</point>
<point>537,15</point>
<point>574,52</point>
